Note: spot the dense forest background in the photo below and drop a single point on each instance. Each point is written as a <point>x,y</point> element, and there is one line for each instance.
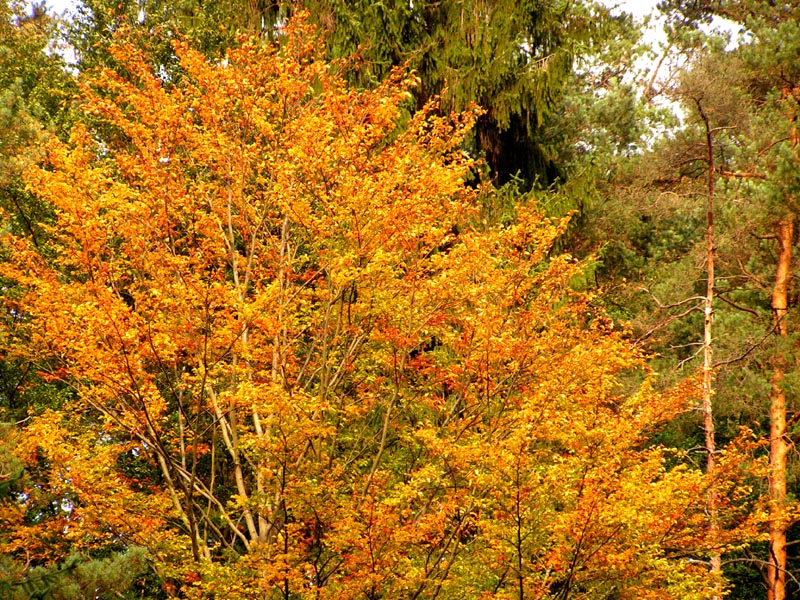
<point>354,299</point>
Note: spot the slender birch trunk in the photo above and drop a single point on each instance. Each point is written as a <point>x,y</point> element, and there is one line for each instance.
<point>708,365</point>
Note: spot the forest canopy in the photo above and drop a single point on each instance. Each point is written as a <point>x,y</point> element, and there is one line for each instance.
<point>280,320</point>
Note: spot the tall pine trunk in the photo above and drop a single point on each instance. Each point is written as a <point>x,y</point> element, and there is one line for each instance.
<point>779,444</point>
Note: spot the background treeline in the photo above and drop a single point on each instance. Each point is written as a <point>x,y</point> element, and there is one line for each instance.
<point>398,300</point>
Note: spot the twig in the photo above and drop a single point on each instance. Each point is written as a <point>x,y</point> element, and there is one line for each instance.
<point>688,358</point>
<point>741,175</point>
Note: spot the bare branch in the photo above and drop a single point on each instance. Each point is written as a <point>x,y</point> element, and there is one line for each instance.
<point>649,92</point>
<point>759,561</point>
<point>740,175</point>
<point>662,306</point>
<point>689,358</point>
<point>737,306</point>
<point>666,322</point>
<point>722,128</point>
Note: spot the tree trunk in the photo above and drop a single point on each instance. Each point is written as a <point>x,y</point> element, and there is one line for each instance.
<point>778,443</point>
<point>708,366</point>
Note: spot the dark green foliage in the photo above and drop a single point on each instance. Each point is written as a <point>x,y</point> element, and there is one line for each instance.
<point>512,58</point>
<point>121,575</point>
<point>33,82</point>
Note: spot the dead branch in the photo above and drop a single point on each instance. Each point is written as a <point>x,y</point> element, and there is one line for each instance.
<point>747,352</point>
<point>737,306</point>
<point>662,306</point>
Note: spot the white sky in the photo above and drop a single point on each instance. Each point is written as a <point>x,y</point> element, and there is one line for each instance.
<point>638,8</point>
<point>60,6</point>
